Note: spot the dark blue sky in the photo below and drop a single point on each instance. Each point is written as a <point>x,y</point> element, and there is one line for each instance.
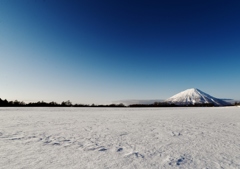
<point>99,51</point>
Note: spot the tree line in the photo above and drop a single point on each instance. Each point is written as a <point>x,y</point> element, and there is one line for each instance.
<point>237,103</point>
<point>68,103</point>
<point>166,104</point>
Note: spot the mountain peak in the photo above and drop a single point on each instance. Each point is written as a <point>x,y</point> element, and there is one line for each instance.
<point>195,96</point>
<point>192,90</point>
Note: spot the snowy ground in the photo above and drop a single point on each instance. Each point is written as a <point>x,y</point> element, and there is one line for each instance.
<point>120,138</point>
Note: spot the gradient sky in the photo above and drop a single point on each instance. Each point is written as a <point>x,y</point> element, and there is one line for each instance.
<point>94,51</point>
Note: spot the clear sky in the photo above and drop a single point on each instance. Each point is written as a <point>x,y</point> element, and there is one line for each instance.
<point>96,51</point>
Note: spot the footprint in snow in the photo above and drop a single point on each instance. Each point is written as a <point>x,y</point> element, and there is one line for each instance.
<point>102,149</point>
<point>120,149</point>
<point>180,161</point>
<point>136,154</point>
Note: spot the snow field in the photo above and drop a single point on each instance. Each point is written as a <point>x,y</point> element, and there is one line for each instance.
<point>120,138</point>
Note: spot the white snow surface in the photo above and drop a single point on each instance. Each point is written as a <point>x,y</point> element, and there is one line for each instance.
<point>193,96</point>
<point>107,138</point>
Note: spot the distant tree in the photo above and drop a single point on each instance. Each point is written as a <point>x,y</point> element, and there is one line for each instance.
<point>121,105</point>
<point>237,103</point>
<point>16,103</point>
<point>80,105</point>
<point>66,103</point>
<point>112,105</point>
<point>53,103</point>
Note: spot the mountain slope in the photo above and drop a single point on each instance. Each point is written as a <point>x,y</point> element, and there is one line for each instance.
<point>195,96</point>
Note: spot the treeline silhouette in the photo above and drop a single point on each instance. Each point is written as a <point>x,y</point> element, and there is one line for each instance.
<point>68,103</point>
<point>237,103</point>
<point>166,104</point>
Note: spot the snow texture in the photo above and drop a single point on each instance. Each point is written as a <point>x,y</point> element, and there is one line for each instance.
<point>195,96</point>
<point>106,138</point>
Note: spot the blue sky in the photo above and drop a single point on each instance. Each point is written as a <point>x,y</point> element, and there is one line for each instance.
<point>102,51</point>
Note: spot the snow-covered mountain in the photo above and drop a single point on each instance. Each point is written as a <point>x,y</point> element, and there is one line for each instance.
<point>195,96</point>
